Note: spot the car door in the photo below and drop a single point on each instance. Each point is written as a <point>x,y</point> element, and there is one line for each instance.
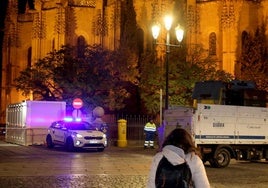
<point>59,133</point>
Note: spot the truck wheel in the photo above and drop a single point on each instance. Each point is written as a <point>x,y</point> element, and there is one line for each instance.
<point>222,158</point>
<point>212,162</point>
<point>69,145</point>
<point>49,141</point>
<point>204,158</point>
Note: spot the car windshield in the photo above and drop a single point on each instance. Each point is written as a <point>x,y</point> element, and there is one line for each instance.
<point>79,126</point>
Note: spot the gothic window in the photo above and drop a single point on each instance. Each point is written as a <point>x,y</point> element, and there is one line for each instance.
<point>212,44</point>
<point>53,44</point>
<point>201,1</point>
<point>81,44</point>
<point>105,3</point>
<point>29,57</point>
<point>140,40</point>
<point>244,38</point>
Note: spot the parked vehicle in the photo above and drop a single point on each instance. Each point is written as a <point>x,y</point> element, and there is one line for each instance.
<point>75,134</point>
<point>2,130</point>
<point>222,131</point>
<point>27,122</point>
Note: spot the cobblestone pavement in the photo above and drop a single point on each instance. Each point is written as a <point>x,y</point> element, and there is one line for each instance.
<point>39,167</point>
<point>75,181</point>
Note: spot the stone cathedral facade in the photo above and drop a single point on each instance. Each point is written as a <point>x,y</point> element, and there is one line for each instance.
<point>33,28</point>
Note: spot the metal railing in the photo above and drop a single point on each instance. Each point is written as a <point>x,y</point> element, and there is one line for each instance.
<point>135,126</point>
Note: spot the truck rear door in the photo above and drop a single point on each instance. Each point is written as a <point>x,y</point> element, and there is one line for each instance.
<point>252,125</point>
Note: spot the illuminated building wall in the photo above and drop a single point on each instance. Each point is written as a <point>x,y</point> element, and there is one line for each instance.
<point>30,34</point>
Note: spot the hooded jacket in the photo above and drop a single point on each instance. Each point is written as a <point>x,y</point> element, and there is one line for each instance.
<point>177,156</point>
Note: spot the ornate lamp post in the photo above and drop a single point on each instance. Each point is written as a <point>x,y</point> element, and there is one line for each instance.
<point>179,35</point>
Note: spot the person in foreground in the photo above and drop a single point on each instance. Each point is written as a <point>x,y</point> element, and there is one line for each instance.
<point>179,148</point>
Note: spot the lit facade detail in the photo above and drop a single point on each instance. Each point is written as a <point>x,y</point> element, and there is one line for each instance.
<point>216,25</point>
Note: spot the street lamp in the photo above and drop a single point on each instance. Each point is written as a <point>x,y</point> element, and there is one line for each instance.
<point>179,35</point>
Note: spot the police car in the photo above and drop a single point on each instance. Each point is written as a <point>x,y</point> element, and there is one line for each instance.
<point>75,134</point>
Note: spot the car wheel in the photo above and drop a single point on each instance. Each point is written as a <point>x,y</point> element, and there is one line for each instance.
<point>69,144</point>
<point>49,141</point>
<point>100,149</point>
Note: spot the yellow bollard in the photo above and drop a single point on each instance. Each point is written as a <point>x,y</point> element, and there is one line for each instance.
<point>122,133</point>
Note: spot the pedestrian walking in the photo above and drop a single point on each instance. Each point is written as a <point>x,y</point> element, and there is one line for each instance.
<point>150,131</point>
<point>179,150</point>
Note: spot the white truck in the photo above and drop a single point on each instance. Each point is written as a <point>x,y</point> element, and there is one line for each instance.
<point>224,132</point>
<point>27,122</point>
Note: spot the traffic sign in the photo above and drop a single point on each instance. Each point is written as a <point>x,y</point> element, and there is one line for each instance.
<point>77,103</point>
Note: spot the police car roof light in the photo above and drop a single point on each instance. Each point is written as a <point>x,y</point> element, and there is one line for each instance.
<point>78,119</point>
<point>68,119</point>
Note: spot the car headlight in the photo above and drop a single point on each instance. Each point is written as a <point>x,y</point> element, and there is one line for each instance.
<point>77,135</point>
<point>104,136</point>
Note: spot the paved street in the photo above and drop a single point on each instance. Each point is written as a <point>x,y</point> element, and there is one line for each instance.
<point>37,166</point>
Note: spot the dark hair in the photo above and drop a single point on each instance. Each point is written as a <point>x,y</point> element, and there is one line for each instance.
<point>181,138</point>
